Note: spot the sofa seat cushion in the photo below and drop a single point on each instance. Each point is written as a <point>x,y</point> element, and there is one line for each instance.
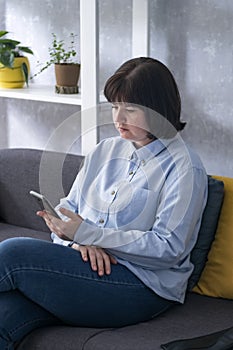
<point>10,231</point>
<point>199,315</point>
<point>59,337</point>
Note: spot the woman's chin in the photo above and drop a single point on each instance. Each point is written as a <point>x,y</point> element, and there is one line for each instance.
<point>124,134</point>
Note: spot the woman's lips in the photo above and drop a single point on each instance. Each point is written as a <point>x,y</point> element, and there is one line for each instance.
<point>122,129</point>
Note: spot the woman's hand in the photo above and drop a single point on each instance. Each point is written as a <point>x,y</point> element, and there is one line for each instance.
<point>64,229</point>
<point>100,261</point>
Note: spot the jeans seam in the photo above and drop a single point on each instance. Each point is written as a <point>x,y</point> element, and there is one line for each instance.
<point>11,332</point>
<point>139,284</point>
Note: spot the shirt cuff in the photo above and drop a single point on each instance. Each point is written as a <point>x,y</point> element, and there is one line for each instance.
<point>58,240</point>
<point>87,234</point>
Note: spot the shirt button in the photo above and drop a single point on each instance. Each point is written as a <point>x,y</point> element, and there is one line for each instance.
<point>131,173</point>
<point>143,162</point>
<point>101,221</point>
<point>113,192</point>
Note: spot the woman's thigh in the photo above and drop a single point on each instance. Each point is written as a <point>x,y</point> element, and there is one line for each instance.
<point>56,278</point>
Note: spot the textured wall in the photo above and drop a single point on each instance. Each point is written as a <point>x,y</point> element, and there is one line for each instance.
<point>115,32</point>
<point>31,123</point>
<point>193,37</point>
<point>3,114</point>
<point>3,124</point>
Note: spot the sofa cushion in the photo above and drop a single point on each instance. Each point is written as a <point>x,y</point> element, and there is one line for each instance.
<point>217,277</point>
<point>10,231</point>
<point>207,230</point>
<point>59,338</point>
<point>198,316</point>
<point>20,173</point>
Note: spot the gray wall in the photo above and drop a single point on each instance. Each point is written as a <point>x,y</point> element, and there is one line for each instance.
<point>194,38</point>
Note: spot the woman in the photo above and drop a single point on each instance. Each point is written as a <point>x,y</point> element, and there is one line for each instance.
<point>130,222</point>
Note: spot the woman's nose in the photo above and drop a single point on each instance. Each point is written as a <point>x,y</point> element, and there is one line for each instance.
<point>119,116</point>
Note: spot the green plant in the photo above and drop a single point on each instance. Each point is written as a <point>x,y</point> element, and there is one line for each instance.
<point>9,49</point>
<point>58,54</point>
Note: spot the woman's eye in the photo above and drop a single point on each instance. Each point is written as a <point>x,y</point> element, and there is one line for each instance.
<point>130,110</point>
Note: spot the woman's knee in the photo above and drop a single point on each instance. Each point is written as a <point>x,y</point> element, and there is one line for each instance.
<point>14,249</point>
<point>9,246</point>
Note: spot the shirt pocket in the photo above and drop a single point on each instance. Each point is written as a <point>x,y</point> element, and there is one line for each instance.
<point>134,208</point>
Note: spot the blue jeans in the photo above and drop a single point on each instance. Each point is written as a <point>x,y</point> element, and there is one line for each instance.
<point>43,284</point>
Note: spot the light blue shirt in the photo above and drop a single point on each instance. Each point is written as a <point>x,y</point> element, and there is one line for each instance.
<point>144,206</point>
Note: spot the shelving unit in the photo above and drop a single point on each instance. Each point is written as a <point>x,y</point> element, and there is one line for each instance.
<point>89,47</point>
<point>41,93</point>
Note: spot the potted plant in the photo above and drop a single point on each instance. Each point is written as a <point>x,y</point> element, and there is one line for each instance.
<point>14,67</point>
<point>67,69</point>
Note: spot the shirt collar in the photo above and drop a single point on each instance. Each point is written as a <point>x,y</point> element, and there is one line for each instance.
<point>149,151</point>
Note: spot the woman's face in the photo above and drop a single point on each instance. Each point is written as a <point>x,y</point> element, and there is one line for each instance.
<point>131,123</point>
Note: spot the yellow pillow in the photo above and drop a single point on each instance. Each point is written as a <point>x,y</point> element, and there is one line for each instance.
<point>217,277</point>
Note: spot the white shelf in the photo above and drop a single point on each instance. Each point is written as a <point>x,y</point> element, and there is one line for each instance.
<point>89,36</point>
<point>41,93</point>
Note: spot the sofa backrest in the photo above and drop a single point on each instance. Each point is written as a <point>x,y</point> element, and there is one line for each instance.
<point>19,173</point>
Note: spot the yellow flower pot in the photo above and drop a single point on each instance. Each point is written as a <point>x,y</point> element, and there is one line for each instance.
<point>11,78</point>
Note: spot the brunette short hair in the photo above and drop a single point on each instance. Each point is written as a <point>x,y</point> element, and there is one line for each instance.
<point>147,82</point>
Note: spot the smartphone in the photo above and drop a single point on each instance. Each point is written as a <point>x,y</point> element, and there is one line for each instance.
<point>44,203</point>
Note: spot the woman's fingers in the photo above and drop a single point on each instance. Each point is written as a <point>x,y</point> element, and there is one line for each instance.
<point>64,229</point>
<point>99,260</point>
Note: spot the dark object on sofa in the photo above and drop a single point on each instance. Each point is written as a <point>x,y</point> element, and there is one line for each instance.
<point>222,340</point>
<point>200,315</point>
<point>207,230</point>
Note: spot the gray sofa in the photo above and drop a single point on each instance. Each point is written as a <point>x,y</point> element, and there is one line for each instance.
<point>200,315</point>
